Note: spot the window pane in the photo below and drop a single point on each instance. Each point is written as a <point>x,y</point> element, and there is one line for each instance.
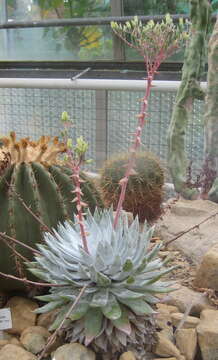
<point>56,9</point>
<point>59,43</point>
<point>155,7</point>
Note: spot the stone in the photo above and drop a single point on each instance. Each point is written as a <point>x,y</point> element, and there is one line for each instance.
<point>167,308</point>
<point>128,355</point>
<point>207,273</point>
<point>183,297</point>
<point>45,320</point>
<point>34,338</point>
<point>73,351</point>
<point>15,352</point>
<point>189,322</point>
<point>165,347</point>
<point>207,331</point>
<point>172,358</point>
<point>163,323</point>
<point>22,313</point>
<point>3,343</point>
<point>183,215</point>
<point>186,342</point>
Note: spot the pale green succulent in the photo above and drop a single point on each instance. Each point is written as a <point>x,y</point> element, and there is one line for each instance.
<point>120,272</point>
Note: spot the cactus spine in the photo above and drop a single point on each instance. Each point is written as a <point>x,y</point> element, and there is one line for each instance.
<point>189,91</point>
<point>211,121</point>
<point>144,190</point>
<point>44,186</point>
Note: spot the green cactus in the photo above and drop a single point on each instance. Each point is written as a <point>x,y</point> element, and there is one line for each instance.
<point>32,172</point>
<point>144,190</point>
<point>210,117</point>
<point>189,91</point>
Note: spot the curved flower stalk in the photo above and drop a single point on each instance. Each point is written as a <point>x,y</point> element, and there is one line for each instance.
<point>120,274</point>
<point>155,42</point>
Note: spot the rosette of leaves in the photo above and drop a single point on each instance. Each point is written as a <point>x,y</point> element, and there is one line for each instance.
<point>121,275</point>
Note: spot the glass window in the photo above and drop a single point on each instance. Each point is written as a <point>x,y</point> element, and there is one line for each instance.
<point>56,9</point>
<point>155,7</point>
<point>91,42</point>
<point>58,43</point>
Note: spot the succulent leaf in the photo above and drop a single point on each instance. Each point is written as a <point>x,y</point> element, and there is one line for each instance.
<point>93,322</point>
<point>120,273</point>
<point>122,323</point>
<point>112,309</point>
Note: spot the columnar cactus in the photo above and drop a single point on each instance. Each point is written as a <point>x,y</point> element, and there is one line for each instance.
<point>211,121</point>
<point>30,169</point>
<point>189,91</point>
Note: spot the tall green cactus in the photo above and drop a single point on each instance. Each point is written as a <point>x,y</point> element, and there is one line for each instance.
<point>189,91</point>
<point>211,120</point>
<point>33,173</point>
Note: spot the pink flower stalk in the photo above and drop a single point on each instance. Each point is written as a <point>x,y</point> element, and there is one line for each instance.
<point>155,42</point>
<point>75,158</point>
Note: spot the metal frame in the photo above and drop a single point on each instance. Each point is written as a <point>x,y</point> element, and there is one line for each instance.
<point>89,84</point>
<point>82,21</point>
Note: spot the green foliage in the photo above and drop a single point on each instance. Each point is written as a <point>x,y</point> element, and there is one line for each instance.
<point>110,299</point>
<point>155,7</point>
<point>45,187</point>
<point>144,189</point>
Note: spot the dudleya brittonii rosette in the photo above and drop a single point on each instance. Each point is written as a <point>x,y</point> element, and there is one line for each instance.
<point>121,273</point>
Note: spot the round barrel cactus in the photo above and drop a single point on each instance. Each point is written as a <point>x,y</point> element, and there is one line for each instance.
<point>144,190</point>
<point>30,171</point>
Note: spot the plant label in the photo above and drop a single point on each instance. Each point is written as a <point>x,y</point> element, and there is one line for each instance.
<point>5,319</point>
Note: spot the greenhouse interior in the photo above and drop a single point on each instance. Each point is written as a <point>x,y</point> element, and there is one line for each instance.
<point>108,179</point>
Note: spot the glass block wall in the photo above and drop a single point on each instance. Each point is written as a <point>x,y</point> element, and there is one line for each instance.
<point>122,111</point>
<point>36,112</point>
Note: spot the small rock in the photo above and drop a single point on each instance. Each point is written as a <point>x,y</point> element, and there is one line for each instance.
<point>22,313</point>
<point>183,215</point>
<point>183,297</point>
<point>206,276</point>
<point>167,308</point>
<point>163,322</point>
<point>73,351</point>
<point>34,338</point>
<point>186,341</point>
<point>164,254</point>
<point>14,352</point>
<point>207,331</point>
<point>15,341</point>
<point>45,320</point>
<point>3,343</point>
<point>165,347</point>
<point>172,358</point>
<point>189,323</point>
<point>128,355</point>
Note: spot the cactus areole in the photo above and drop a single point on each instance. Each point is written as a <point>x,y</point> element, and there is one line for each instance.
<point>30,172</point>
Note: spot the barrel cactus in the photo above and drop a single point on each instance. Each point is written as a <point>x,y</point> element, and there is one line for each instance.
<point>31,170</point>
<point>144,190</point>
<point>122,279</point>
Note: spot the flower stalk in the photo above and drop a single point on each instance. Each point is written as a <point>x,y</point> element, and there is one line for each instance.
<point>75,158</point>
<point>155,42</point>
